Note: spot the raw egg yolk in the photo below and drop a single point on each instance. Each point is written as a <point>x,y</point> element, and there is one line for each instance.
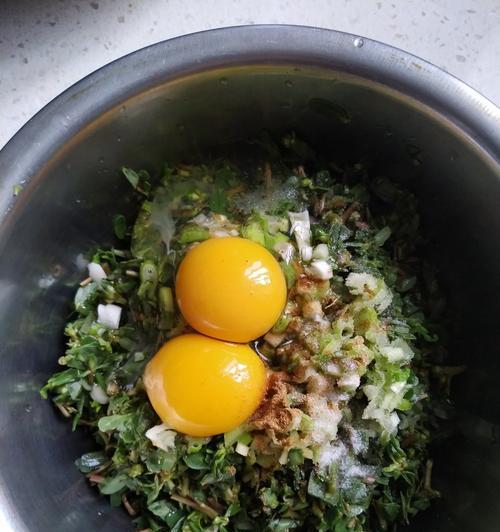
<point>202,387</point>
<point>230,288</point>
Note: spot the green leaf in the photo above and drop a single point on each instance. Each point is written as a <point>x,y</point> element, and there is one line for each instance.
<point>321,488</point>
<point>115,422</point>
<point>91,461</point>
<point>115,499</point>
<point>140,180</point>
<point>391,510</point>
<point>59,379</point>
<point>194,522</point>
<point>167,512</point>
<point>120,226</point>
<point>159,460</point>
<point>113,484</point>
<point>283,524</point>
<point>269,498</point>
<point>196,461</point>
<point>86,297</point>
<point>382,236</point>
<point>132,176</point>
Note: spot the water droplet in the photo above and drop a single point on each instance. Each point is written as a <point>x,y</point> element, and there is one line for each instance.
<point>180,127</point>
<point>223,81</point>
<point>28,408</point>
<point>288,83</point>
<point>101,160</point>
<point>118,139</point>
<point>358,42</point>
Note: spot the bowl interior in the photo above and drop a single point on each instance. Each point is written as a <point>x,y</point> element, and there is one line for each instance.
<point>67,208</point>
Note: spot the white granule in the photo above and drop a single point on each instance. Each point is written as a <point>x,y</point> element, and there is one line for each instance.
<point>326,418</point>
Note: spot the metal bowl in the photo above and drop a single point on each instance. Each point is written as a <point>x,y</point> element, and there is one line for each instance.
<point>196,96</point>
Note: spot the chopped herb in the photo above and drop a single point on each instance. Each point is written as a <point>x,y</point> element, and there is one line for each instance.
<point>340,441</point>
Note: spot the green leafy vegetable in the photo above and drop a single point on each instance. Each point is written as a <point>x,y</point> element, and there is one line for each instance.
<point>120,226</point>
<point>340,440</point>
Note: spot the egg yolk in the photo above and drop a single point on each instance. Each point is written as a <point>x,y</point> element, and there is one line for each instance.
<point>230,288</point>
<point>201,386</point>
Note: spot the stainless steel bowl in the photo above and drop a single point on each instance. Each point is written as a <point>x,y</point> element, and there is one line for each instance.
<point>197,95</point>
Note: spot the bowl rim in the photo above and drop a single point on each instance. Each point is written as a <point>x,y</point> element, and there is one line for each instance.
<point>51,128</point>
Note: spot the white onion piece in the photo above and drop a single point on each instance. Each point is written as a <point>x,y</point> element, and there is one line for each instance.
<point>301,229</point>
<point>109,315</point>
<point>99,395</point>
<point>161,436</point>
<point>306,253</point>
<point>96,271</point>
<point>201,219</point>
<point>274,339</point>
<point>320,269</point>
<point>333,368</point>
<point>398,387</point>
<point>242,449</point>
<point>285,250</point>
<point>312,310</point>
<point>320,252</point>
<point>219,233</point>
<point>349,382</point>
<point>359,283</point>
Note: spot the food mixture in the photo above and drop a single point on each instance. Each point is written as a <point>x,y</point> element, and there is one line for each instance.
<point>255,354</point>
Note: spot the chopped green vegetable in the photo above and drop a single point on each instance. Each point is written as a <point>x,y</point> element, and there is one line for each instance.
<point>340,440</point>
<point>120,226</point>
<point>193,233</point>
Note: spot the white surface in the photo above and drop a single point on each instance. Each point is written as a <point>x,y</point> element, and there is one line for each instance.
<point>46,46</point>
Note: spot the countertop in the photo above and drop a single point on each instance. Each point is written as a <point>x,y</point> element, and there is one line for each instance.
<point>47,45</point>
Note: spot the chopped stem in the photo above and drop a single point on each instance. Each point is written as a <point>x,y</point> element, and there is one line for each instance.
<point>200,506</point>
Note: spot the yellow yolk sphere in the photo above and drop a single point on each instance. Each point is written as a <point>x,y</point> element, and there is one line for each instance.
<point>201,386</point>
<point>230,288</point>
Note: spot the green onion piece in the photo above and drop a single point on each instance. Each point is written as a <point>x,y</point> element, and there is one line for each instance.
<point>193,233</point>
